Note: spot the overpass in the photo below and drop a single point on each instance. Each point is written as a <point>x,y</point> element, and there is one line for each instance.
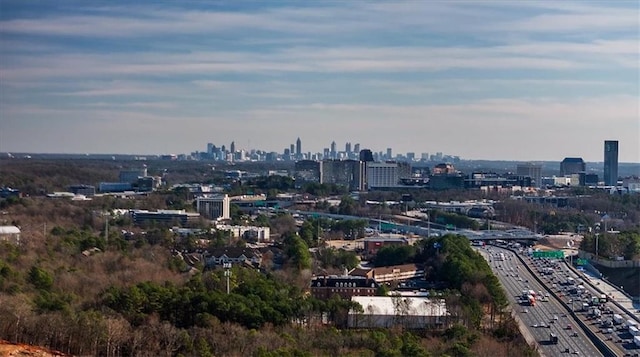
<point>428,229</point>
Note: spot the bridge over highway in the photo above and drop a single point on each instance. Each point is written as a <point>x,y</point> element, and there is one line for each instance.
<point>428,229</point>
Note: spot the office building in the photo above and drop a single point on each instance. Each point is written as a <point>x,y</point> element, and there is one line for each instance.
<point>115,187</point>
<point>404,170</point>
<point>611,162</point>
<point>131,176</point>
<point>298,149</point>
<point>214,207</point>
<point>171,217</point>
<point>572,165</point>
<point>349,173</point>
<point>86,190</point>
<point>308,171</point>
<point>366,155</point>
<point>382,174</point>
<point>324,287</point>
<point>532,170</point>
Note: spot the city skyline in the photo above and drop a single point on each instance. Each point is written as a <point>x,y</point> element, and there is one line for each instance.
<point>525,81</point>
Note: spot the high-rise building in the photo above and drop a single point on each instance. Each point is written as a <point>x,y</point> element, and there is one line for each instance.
<point>382,174</point>
<point>366,155</point>
<point>611,162</point>
<point>308,171</point>
<point>348,173</point>
<point>572,165</point>
<point>232,147</point>
<point>333,150</point>
<point>347,148</point>
<point>389,154</point>
<point>298,149</point>
<point>356,148</point>
<point>532,170</point>
<point>216,207</point>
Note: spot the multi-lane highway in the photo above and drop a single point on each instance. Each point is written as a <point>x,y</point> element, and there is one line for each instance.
<point>548,316</point>
<point>578,296</point>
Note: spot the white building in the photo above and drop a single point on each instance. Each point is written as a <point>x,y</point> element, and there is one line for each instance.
<point>260,234</point>
<point>214,207</point>
<point>382,174</point>
<point>388,311</point>
<point>10,233</point>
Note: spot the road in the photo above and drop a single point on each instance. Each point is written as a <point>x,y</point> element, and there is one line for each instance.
<point>515,278</point>
<point>619,340</point>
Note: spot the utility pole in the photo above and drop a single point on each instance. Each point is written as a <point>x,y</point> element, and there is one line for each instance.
<point>106,230</point>
<point>227,273</point>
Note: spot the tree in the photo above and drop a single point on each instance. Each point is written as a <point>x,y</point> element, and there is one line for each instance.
<point>394,255</point>
<point>347,206</point>
<point>297,251</point>
<point>40,278</point>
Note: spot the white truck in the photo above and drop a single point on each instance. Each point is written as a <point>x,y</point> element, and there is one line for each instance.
<point>634,331</point>
<point>636,340</point>
<point>630,323</point>
<point>617,319</point>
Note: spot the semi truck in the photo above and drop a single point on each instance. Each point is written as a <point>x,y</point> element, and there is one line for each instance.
<point>532,300</point>
<point>636,340</point>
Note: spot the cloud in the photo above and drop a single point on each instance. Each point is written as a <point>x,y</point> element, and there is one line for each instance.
<point>482,70</point>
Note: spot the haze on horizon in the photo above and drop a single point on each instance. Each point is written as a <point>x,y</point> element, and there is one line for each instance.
<point>496,80</point>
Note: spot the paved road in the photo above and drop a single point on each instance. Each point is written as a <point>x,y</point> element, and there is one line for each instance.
<point>515,278</point>
<point>620,341</point>
<point>611,291</point>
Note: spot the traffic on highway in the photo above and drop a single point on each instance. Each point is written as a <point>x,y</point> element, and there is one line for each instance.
<point>617,328</point>
<point>546,319</point>
<point>549,303</point>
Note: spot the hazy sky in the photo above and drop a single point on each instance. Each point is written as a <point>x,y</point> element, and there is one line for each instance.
<point>526,80</point>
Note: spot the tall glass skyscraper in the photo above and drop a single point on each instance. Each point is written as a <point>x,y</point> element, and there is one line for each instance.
<point>610,162</point>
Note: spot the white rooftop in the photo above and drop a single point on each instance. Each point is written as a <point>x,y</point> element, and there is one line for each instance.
<point>9,230</point>
<point>386,305</point>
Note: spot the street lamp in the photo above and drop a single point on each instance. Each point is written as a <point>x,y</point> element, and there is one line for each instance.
<point>227,273</point>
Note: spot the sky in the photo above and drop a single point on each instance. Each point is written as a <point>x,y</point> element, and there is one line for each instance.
<point>495,80</point>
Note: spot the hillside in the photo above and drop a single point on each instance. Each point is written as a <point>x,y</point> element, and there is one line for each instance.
<point>134,296</point>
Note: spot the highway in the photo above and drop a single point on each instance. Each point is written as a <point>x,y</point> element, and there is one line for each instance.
<point>545,317</point>
<point>619,340</point>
